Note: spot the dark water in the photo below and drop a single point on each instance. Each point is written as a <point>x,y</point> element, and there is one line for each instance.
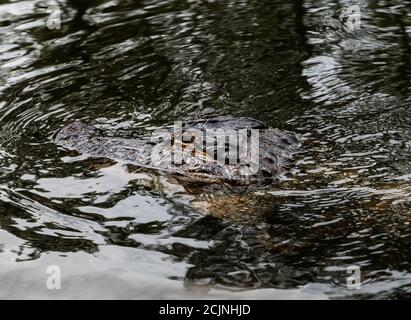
<point>131,66</point>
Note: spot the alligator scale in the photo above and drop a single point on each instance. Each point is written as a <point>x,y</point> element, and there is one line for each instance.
<point>248,151</point>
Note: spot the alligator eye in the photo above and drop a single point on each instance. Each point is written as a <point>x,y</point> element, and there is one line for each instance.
<point>266,173</point>
<point>271,159</point>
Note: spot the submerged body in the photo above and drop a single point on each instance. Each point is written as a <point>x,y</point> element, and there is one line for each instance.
<point>253,153</point>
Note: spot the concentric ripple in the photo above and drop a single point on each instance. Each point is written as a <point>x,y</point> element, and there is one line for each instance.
<point>132,66</point>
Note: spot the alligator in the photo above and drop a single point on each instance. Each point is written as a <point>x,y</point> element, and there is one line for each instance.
<point>251,153</point>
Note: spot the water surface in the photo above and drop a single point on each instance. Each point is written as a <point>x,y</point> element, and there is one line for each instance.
<point>133,66</point>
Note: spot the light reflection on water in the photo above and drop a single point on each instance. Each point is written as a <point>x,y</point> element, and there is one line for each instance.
<point>132,66</point>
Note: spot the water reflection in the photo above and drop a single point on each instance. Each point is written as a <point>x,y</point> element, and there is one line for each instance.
<point>132,66</point>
